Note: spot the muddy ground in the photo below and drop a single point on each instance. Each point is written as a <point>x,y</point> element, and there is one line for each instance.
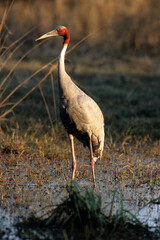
<point>34,183</point>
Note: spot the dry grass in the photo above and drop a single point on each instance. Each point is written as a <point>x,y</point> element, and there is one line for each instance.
<point>45,161</point>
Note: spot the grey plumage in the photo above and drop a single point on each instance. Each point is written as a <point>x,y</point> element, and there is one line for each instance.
<point>80,115</point>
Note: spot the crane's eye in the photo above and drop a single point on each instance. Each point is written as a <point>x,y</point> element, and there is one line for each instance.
<point>63,30</point>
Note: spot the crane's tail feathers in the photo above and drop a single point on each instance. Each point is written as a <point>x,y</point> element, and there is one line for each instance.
<point>96,158</point>
<point>98,154</point>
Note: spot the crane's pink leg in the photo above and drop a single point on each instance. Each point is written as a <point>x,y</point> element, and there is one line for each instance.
<point>74,164</point>
<point>92,161</point>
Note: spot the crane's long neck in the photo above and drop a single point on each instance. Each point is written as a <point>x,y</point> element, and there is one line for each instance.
<point>61,62</point>
<point>64,81</point>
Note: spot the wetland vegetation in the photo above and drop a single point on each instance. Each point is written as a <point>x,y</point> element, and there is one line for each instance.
<point>120,70</point>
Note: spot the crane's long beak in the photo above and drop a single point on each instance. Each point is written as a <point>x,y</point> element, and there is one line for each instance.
<point>47,35</point>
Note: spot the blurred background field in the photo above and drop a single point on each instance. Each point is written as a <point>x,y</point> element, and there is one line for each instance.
<point>127,26</point>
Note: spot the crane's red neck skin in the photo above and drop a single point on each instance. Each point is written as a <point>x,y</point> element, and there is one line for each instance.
<point>63,31</point>
<point>66,38</point>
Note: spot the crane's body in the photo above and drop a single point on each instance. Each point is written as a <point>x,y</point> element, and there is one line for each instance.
<point>80,115</point>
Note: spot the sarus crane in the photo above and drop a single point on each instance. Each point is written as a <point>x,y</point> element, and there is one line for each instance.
<point>80,115</point>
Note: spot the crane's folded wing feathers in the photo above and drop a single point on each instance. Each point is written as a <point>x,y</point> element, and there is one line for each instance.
<point>84,110</point>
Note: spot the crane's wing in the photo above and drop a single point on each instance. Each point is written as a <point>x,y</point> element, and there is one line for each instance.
<point>82,117</point>
<point>88,119</point>
<point>85,113</point>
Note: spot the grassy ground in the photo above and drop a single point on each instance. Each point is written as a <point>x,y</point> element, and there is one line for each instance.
<point>129,100</point>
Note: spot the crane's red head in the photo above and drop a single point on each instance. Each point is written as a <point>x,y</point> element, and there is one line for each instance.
<point>59,31</point>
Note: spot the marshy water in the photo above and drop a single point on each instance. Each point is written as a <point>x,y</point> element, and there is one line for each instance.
<point>34,185</point>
